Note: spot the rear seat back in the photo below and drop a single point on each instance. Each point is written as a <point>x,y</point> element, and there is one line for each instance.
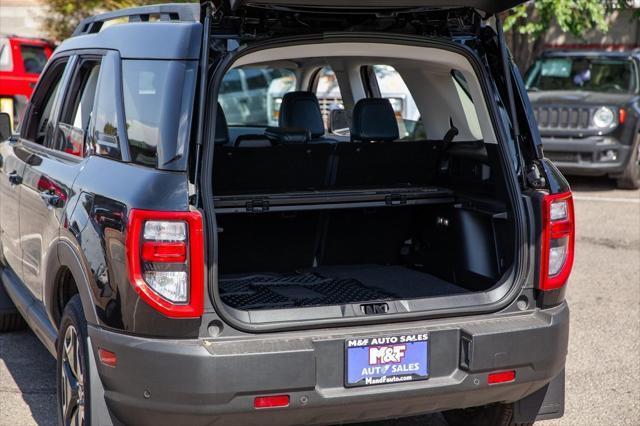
<point>276,168</point>
<point>385,163</point>
<point>283,160</point>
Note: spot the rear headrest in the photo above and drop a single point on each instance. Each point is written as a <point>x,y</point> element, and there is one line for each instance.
<point>287,135</point>
<point>374,120</point>
<point>301,110</point>
<point>222,129</point>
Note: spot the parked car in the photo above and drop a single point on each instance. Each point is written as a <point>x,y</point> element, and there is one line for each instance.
<point>21,61</point>
<point>587,104</point>
<point>186,270</point>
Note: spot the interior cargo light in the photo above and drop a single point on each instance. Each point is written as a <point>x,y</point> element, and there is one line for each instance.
<point>557,240</point>
<point>165,260</point>
<point>501,377</point>
<point>273,401</point>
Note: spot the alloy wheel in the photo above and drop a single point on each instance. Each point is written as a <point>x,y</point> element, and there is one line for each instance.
<point>72,375</point>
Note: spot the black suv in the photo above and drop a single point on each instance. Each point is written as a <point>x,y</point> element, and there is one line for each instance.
<point>587,104</point>
<point>188,269</point>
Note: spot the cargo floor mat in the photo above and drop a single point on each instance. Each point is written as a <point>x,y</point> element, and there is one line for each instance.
<point>295,290</point>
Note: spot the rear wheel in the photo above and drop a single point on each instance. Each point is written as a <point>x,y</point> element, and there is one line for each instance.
<point>489,415</point>
<point>630,178</point>
<point>73,367</point>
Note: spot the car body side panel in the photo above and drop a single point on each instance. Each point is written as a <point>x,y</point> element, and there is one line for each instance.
<point>11,164</point>
<point>96,230</point>
<point>47,174</point>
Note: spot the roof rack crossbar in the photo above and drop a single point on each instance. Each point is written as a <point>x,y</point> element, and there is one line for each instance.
<point>166,12</point>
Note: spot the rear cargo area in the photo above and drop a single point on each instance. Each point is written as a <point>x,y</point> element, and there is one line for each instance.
<point>325,248</point>
<point>401,206</point>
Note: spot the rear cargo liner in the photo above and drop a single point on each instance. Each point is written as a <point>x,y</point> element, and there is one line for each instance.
<point>332,286</point>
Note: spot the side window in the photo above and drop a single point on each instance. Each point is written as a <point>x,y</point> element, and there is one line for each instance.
<point>393,87</point>
<point>328,93</point>
<point>104,139</point>
<point>158,102</point>
<point>34,58</point>
<point>251,96</point>
<point>76,115</point>
<point>462,88</point>
<point>43,100</point>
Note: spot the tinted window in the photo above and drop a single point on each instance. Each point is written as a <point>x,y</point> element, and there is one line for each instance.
<point>105,140</point>
<point>251,96</point>
<point>158,102</point>
<point>43,101</point>
<point>75,119</point>
<point>393,87</point>
<point>34,58</point>
<point>593,74</point>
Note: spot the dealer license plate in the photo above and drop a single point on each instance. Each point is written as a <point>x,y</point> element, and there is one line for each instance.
<point>386,359</point>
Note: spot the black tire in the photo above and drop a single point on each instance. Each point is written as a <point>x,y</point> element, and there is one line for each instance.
<point>72,367</point>
<point>489,415</point>
<point>11,322</point>
<point>630,178</point>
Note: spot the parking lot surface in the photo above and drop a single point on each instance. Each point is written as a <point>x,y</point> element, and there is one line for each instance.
<point>603,368</point>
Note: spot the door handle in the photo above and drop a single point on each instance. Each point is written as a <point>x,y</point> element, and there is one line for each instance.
<point>14,178</point>
<point>50,199</point>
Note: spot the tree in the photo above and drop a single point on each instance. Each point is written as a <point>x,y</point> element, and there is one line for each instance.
<point>63,16</point>
<point>527,24</point>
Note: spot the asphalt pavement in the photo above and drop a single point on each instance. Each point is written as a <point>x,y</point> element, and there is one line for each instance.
<point>603,368</point>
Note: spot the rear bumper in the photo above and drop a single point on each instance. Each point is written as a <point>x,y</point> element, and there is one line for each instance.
<point>583,156</point>
<point>208,381</point>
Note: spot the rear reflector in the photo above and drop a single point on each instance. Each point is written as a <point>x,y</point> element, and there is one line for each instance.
<point>271,401</point>
<point>501,377</point>
<point>159,252</point>
<point>107,357</point>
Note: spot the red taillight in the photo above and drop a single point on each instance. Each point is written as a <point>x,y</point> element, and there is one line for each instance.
<point>273,401</point>
<point>165,260</point>
<point>557,242</point>
<point>501,377</point>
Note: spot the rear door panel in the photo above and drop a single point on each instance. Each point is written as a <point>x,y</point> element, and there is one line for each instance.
<point>11,168</point>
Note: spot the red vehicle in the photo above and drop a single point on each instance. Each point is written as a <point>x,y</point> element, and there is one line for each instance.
<point>21,62</point>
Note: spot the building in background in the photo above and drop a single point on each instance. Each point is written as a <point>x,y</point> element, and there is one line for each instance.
<point>21,17</point>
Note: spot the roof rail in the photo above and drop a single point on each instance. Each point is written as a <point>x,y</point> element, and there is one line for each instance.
<point>166,12</point>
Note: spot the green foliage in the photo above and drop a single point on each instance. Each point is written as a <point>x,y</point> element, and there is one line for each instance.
<point>63,16</point>
<point>572,16</point>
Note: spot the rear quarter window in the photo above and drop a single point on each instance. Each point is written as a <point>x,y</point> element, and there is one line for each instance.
<point>158,103</point>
